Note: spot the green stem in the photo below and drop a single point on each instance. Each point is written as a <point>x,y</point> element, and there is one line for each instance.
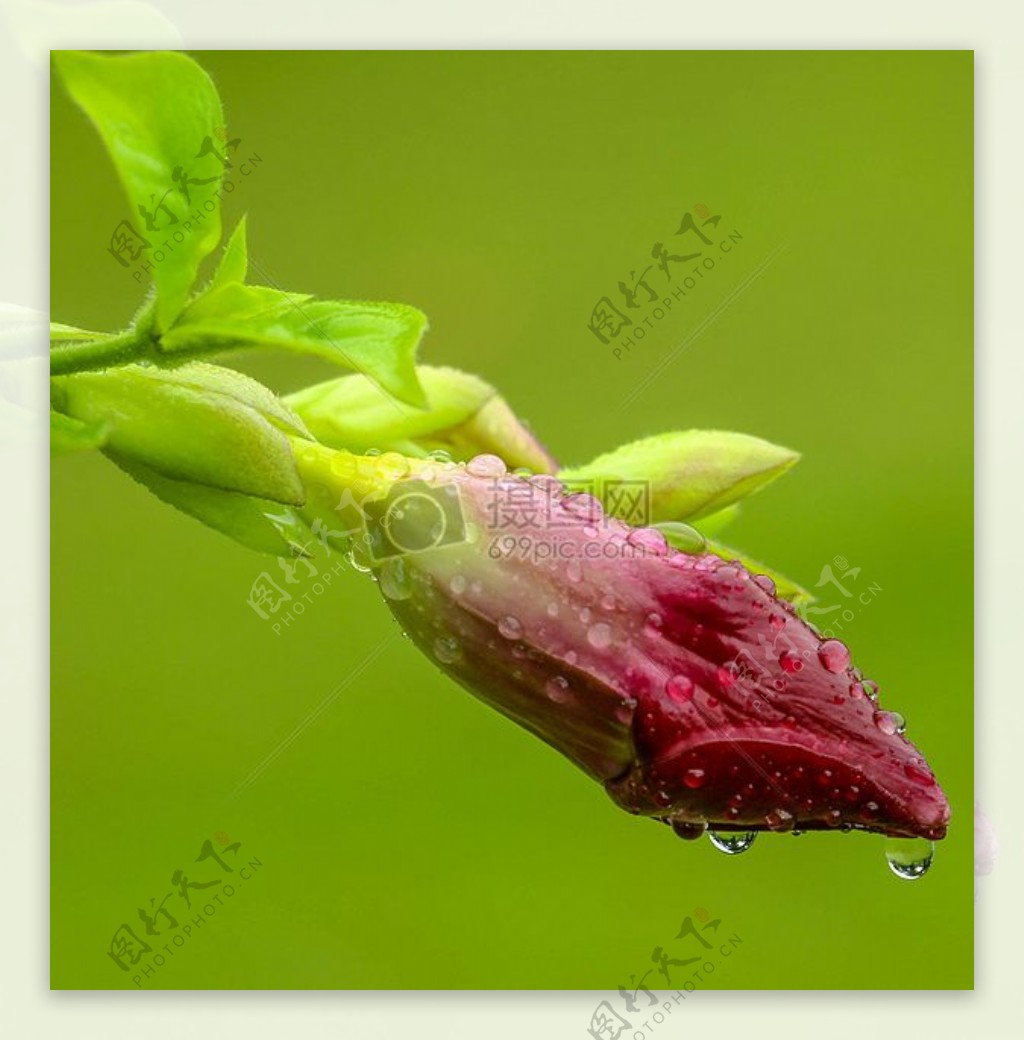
<point>118,349</point>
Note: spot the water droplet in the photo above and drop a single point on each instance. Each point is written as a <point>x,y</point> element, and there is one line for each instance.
<point>599,636</point>
<point>446,649</point>
<point>726,678</point>
<point>683,537</point>
<point>890,722</point>
<point>558,689</point>
<point>688,831</point>
<point>510,627</point>
<point>608,602</point>
<point>652,624</point>
<point>732,843</point>
<point>359,556</point>
<point>776,622</point>
<point>585,615</point>
<point>694,778</point>
<point>552,609</point>
<point>393,466</point>
<point>395,580</point>
<point>458,584</point>
<point>369,451</point>
<point>486,466</point>
<point>574,570</point>
<point>833,655</point>
<point>909,858</point>
<point>780,820</point>
<point>583,506</point>
<point>870,688</point>
<point>439,455</point>
<point>919,774</point>
<point>790,662</point>
<point>766,583</point>
<point>679,688</point>
<point>649,540</point>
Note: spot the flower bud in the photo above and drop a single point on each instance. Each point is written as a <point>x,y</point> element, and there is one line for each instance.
<point>679,681</point>
<point>464,417</point>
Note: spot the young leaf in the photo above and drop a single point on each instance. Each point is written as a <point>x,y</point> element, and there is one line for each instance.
<point>256,523</point>
<point>378,340</point>
<point>160,118</point>
<point>234,261</point>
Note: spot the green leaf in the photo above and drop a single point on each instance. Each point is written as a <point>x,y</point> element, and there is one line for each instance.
<point>159,115</point>
<point>785,588</point>
<point>256,523</point>
<point>689,475</point>
<point>234,261</point>
<point>196,423</point>
<point>378,340</point>
<point>68,435</point>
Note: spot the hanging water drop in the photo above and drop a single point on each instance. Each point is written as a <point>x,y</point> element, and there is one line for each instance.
<point>732,843</point>
<point>890,722</point>
<point>909,858</point>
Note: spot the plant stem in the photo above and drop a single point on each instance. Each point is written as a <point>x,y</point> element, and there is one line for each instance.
<point>117,349</point>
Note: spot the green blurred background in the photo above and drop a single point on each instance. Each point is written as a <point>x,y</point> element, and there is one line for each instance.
<point>411,837</point>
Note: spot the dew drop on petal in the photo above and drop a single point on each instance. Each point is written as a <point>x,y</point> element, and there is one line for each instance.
<point>870,687</point>
<point>732,843</point>
<point>394,579</point>
<point>558,689</point>
<point>649,540</point>
<point>776,622</point>
<point>679,688</point>
<point>552,609</point>
<point>766,583</point>
<point>790,662</point>
<point>833,655</point>
<point>652,624</point>
<point>694,778</point>
<point>574,570</point>
<point>486,466</point>
<point>446,649</point>
<point>780,820</point>
<point>909,858</point>
<point>599,636</point>
<point>458,584</point>
<point>510,627</point>
<point>889,722</point>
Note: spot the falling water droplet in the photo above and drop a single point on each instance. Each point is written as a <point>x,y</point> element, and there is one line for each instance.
<point>732,843</point>
<point>909,858</point>
<point>510,627</point>
<point>486,466</point>
<point>395,581</point>
<point>599,636</point>
<point>833,655</point>
<point>688,831</point>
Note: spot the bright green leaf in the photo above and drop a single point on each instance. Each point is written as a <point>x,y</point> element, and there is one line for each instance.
<point>159,116</point>
<point>378,340</point>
